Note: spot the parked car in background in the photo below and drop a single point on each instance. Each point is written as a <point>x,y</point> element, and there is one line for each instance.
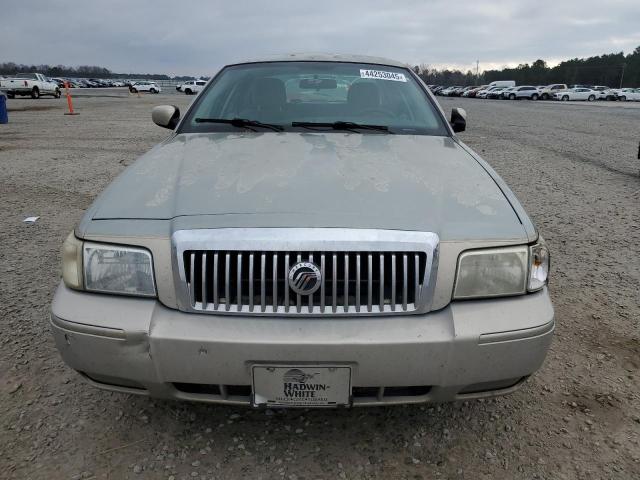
<point>474,91</point>
<point>524,91</point>
<point>150,87</point>
<point>504,94</point>
<point>548,92</point>
<point>58,81</point>
<point>495,92</point>
<point>625,94</point>
<point>576,94</point>
<point>30,84</point>
<point>436,89</point>
<point>61,82</point>
<point>180,86</point>
<point>466,90</point>
<point>449,90</point>
<point>483,93</point>
<point>192,87</point>
<point>605,93</point>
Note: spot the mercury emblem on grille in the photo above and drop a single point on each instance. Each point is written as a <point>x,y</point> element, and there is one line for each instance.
<point>304,278</point>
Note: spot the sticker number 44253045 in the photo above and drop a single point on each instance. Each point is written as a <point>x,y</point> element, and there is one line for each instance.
<point>382,75</point>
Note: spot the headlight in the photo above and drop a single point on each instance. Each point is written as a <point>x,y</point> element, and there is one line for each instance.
<point>539,262</point>
<point>492,272</point>
<point>496,272</point>
<point>113,269</point>
<point>107,268</point>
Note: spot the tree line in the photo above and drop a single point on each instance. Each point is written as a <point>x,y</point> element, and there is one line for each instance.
<point>82,71</point>
<point>612,70</point>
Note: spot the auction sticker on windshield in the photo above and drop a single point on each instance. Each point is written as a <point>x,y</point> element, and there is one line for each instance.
<point>301,386</point>
<point>382,75</point>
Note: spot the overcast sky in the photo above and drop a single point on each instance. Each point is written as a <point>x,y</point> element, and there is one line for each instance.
<point>197,37</point>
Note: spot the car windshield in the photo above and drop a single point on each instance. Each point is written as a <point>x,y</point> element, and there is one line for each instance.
<point>323,96</point>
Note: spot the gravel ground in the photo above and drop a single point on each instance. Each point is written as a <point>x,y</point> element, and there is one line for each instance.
<point>574,168</point>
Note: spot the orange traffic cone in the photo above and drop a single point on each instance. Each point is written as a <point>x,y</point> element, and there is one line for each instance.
<point>69,102</point>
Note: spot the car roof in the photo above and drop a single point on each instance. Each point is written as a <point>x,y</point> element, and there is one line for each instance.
<point>325,57</point>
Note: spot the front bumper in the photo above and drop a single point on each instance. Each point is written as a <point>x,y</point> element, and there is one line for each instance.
<point>467,350</point>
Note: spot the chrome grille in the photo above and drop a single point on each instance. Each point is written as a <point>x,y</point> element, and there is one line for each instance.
<point>244,271</point>
<point>353,282</point>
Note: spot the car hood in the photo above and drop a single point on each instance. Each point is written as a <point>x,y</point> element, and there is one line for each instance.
<point>342,180</point>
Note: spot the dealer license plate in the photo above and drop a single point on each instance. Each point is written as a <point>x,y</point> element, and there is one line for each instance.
<point>301,386</point>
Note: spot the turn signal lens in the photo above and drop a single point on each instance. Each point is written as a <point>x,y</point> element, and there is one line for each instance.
<point>539,262</point>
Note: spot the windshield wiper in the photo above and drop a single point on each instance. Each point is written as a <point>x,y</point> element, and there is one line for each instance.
<point>339,125</point>
<point>241,122</point>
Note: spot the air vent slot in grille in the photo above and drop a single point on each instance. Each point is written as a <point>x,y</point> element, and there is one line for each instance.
<point>257,282</point>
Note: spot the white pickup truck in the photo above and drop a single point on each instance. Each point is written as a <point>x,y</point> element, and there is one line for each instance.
<point>33,84</point>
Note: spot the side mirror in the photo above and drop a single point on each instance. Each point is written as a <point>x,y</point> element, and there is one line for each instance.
<point>166,116</point>
<point>458,119</point>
